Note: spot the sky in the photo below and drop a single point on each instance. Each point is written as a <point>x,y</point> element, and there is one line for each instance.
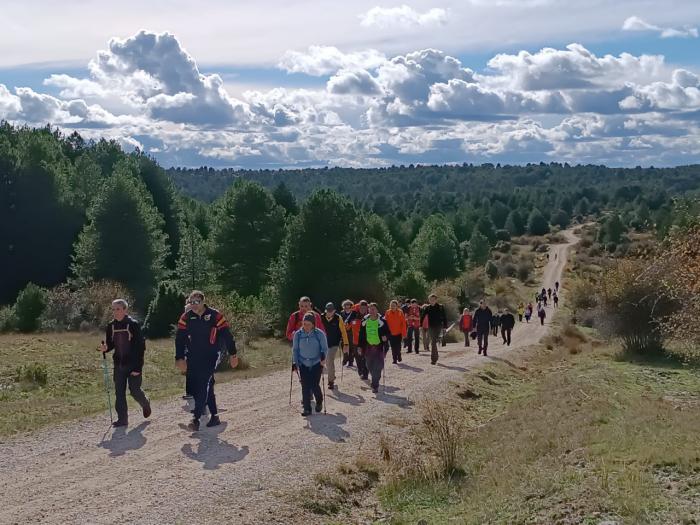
<point>279,83</point>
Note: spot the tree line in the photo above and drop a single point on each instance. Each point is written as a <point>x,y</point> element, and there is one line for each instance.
<point>78,212</point>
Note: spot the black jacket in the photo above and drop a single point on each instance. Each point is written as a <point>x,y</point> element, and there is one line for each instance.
<point>202,337</point>
<point>435,314</point>
<point>126,339</point>
<point>507,321</point>
<point>334,335</point>
<point>482,319</point>
<point>495,320</point>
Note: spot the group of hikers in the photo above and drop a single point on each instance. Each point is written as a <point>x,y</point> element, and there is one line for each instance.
<point>359,331</point>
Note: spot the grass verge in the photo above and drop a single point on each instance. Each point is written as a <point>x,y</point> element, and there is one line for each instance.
<point>49,378</point>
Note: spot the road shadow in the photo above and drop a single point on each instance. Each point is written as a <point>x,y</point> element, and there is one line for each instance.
<point>122,440</point>
<point>354,400</point>
<point>329,425</point>
<point>502,360</point>
<point>391,399</point>
<point>212,451</point>
<point>410,368</point>
<point>455,368</point>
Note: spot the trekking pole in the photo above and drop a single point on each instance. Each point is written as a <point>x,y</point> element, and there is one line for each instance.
<point>291,382</point>
<point>105,369</point>
<point>341,364</point>
<point>325,399</point>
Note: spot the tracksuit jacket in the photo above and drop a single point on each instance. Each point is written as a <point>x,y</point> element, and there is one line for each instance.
<point>202,337</point>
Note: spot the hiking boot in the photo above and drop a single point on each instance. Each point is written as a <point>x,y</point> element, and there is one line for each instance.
<point>214,421</point>
<point>319,406</point>
<point>187,397</point>
<point>147,410</point>
<point>194,425</point>
<point>306,413</point>
<point>364,377</point>
<point>375,389</point>
<point>485,354</point>
<point>399,359</point>
<point>480,351</point>
<point>331,385</point>
<point>120,423</point>
<point>394,361</point>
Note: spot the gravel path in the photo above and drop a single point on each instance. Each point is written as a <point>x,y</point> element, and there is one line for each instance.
<point>158,472</point>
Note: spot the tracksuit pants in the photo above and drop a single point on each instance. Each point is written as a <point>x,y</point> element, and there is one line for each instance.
<point>482,338</point>
<point>505,333</point>
<point>349,358</point>
<point>361,362</point>
<point>122,377</point>
<point>434,332</point>
<point>202,384</point>
<point>310,384</point>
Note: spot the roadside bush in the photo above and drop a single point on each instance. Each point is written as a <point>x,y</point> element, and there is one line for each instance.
<point>508,270</point>
<point>502,235</point>
<point>164,311</point>
<point>583,295</point>
<point>444,430</point>
<point>411,284</point>
<point>31,303</point>
<point>491,270</point>
<point>8,320</point>
<point>523,272</point>
<point>32,375</point>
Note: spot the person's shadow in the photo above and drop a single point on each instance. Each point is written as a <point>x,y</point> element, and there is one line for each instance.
<point>211,451</point>
<point>121,440</point>
<point>341,397</point>
<point>455,368</point>
<point>410,368</point>
<point>329,425</point>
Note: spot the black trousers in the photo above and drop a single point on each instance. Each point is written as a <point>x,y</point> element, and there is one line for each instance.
<point>467,337</point>
<point>375,356</point>
<point>395,343</point>
<point>349,358</point>
<point>122,377</point>
<point>505,333</point>
<point>434,332</point>
<point>482,338</point>
<point>310,384</point>
<point>202,384</point>
<point>413,339</point>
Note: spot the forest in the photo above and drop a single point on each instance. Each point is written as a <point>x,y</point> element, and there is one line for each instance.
<point>85,221</point>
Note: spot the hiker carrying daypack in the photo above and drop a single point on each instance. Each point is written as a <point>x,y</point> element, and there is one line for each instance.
<point>309,351</point>
<point>482,326</point>
<point>436,318</point>
<point>465,325</point>
<point>542,314</point>
<point>396,321</point>
<point>374,335</point>
<point>507,325</point>
<point>337,337</point>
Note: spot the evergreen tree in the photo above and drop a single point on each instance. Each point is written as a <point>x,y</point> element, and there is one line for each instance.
<point>486,228</point>
<point>385,246</point>
<point>283,197</point>
<point>194,269</point>
<point>537,224</point>
<point>435,249</point>
<point>412,285</point>
<point>560,218</point>
<point>515,224</point>
<point>164,311</point>
<point>499,214</point>
<point>123,240</point>
<point>479,249</point>
<point>327,255</point>
<point>247,235</point>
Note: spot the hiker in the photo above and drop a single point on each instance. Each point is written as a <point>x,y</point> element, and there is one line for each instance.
<point>188,380</point>
<point>123,335</point>
<point>528,312</point>
<point>424,328</point>
<point>555,256</point>
<point>544,299</point>
<point>336,336</point>
<point>201,335</point>
<point>556,286</point>
<point>405,306</point>
<point>374,334</point>
<point>507,325</point>
<point>437,322</point>
<point>482,324</point>
<point>521,311</point>
<point>413,320</point>
<point>465,325</point>
<point>495,322</point>
<point>350,318</point>
<point>549,293</point>
<point>541,313</point>
<point>556,300</point>
<point>396,321</point>
<point>362,310</point>
<point>296,319</point>
<point>309,351</point>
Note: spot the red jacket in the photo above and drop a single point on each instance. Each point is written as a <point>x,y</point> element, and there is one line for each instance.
<point>297,318</point>
<point>413,316</point>
<point>465,322</point>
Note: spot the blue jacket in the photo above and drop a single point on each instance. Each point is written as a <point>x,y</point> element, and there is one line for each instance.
<point>309,349</point>
<point>201,337</point>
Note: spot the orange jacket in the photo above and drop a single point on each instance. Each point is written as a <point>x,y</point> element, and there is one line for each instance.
<point>397,322</point>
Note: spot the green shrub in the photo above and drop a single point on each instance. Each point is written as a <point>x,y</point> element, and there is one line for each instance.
<point>35,374</point>
<point>8,319</point>
<point>164,311</point>
<point>523,272</point>
<point>411,284</point>
<point>31,303</point>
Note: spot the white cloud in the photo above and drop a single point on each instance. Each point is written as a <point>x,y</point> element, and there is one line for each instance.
<point>357,82</point>
<point>634,23</point>
<point>326,60</point>
<point>402,16</point>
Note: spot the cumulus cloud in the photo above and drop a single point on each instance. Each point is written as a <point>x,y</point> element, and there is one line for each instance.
<point>326,60</point>
<point>423,106</point>
<point>634,23</point>
<point>402,16</point>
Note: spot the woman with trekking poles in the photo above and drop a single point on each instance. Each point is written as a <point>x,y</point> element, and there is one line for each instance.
<point>309,351</point>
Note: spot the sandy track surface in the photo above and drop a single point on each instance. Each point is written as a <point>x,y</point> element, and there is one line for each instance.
<point>157,472</point>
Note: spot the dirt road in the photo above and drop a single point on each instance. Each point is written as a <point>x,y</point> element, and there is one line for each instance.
<point>157,472</point>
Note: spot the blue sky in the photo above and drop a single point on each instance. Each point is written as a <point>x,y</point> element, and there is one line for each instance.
<point>314,83</point>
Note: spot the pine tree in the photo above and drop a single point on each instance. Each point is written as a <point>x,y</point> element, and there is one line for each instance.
<point>285,198</point>
<point>123,240</point>
<point>537,224</point>
<point>246,237</point>
<point>435,249</point>
<point>486,228</point>
<point>412,285</point>
<point>515,223</point>
<point>164,311</point>
<point>479,249</point>
<point>194,269</point>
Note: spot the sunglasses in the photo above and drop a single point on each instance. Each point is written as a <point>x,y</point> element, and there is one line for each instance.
<point>195,302</point>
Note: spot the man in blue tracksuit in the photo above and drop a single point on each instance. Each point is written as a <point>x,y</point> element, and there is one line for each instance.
<point>201,333</point>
